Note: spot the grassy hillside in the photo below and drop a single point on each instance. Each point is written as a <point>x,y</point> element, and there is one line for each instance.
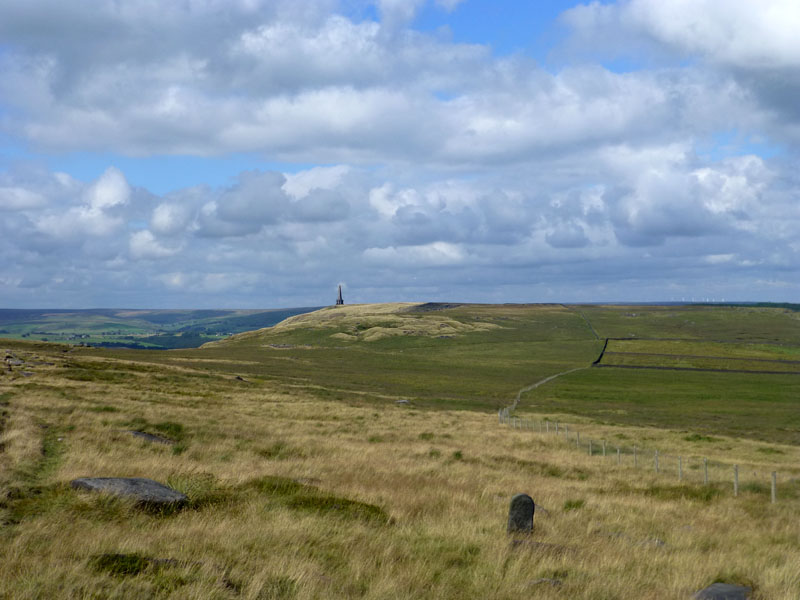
<point>307,478</point>
<point>296,496</point>
<point>467,356</point>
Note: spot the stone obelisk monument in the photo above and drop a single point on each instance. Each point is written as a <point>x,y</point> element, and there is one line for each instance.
<point>339,301</point>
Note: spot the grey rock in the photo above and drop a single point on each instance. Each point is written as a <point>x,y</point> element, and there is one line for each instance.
<point>520,514</point>
<point>15,362</point>
<point>151,438</point>
<point>401,402</point>
<point>144,491</point>
<point>723,591</point>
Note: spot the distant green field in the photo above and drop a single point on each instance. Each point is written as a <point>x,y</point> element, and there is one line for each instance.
<point>156,329</point>
<point>654,389</point>
<point>707,323</point>
<point>765,407</point>
<point>702,355</point>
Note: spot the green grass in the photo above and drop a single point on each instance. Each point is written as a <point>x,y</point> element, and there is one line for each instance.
<point>754,406</point>
<point>709,323</point>
<point>478,370</point>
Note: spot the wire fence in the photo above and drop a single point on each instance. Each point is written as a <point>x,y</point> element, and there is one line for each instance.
<point>691,469</point>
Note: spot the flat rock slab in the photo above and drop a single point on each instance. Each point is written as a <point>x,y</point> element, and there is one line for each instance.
<point>151,438</point>
<point>723,591</point>
<point>144,491</point>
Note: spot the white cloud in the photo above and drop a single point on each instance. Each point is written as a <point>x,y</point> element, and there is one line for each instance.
<point>17,198</point>
<point>445,163</point>
<point>144,245</point>
<point>298,185</point>
<point>110,190</point>
<point>170,218</point>
<point>738,33</point>
<point>436,254</point>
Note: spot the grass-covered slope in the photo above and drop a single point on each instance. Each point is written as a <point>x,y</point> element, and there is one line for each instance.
<point>465,356</point>
<point>292,495</point>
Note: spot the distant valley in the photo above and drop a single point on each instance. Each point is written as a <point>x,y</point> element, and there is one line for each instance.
<point>142,329</point>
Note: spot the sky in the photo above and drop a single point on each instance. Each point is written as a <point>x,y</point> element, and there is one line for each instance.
<point>258,153</point>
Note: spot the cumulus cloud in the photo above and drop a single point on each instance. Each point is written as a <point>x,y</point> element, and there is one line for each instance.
<point>737,33</point>
<point>144,245</point>
<point>417,164</point>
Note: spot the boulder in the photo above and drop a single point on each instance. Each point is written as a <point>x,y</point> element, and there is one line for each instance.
<point>144,491</point>
<point>151,437</point>
<point>723,591</point>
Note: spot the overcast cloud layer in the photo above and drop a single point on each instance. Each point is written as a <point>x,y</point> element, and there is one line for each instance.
<point>652,156</point>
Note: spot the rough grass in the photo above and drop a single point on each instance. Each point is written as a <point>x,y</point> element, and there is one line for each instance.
<point>290,499</point>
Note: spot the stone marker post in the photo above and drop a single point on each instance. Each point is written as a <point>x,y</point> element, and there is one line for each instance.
<point>773,491</point>
<point>520,514</point>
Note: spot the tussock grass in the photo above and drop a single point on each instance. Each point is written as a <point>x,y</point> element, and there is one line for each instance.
<point>289,498</point>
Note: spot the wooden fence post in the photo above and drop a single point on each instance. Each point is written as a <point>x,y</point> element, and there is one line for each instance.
<point>618,456</point>
<point>590,447</point>
<point>578,439</point>
<point>705,471</point>
<point>556,427</point>
<point>680,468</point>
<point>634,456</point>
<point>604,447</point>
<point>735,480</point>
<point>656,455</point>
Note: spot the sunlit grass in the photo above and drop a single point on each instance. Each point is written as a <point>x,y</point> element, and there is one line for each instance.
<point>296,496</point>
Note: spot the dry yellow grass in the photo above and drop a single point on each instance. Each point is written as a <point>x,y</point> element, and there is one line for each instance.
<point>368,323</point>
<point>444,478</point>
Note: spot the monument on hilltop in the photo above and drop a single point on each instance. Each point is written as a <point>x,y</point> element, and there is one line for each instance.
<point>339,301</point>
